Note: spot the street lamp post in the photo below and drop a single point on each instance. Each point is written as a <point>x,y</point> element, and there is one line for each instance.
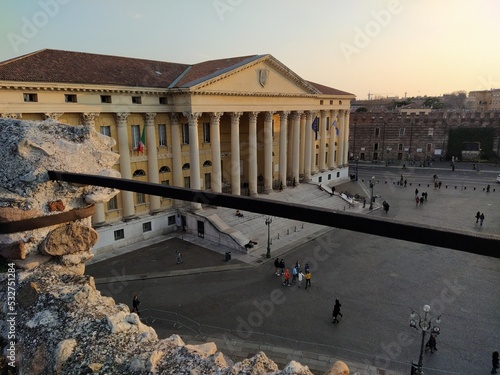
<point>424,324</point>
<point>357,163</point>
<point>372,183</point>
<point>269,220</point>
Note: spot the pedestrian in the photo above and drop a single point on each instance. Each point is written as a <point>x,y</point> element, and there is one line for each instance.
<point>439,184</point>
<point>421,201</point>
<point>301,276</point>
<point>488,188</point>
<point>178,257</point>
<point>287,278</point>
<point>406,182</point>
<point>135,304</point>
<point>431,344</point>
<point>481,218</point>
<point>386,206</point>
<point>308,279</point>
<point>294,275</point>
<point>297,265</point>
<point>364,202</point>
<point>494,363</point>
<point>417,201</point>
<point>282,266</point>
<point>336,311</point>
<point>277,266</point>
<point>478,215</point>
<point>306,267</point>
<point>416,192</point>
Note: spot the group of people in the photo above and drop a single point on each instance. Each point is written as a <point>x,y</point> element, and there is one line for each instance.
<point>297,275</point>
<point>479,218</point>
<point>420,200</point>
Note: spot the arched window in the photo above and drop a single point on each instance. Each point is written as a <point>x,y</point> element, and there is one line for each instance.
<point>340,102</point>
<point>207,163</point>
<point>139,173</point>
<point>186,166</point>
<point>164,169</point>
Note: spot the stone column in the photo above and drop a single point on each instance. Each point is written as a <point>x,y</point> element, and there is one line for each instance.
<point>252,153</point>
<point>88,119</point>
<point>296,147</point>
<point>333,131</point>
<point>235,153</point>
<point>340,157</point>
<point>346,137</point>
<point>152,151</point>
<point>216,159</point>
<point>124,151</point>
<point>322,142</point>
<point>302,144</point>
<point>194,154</point>
<point>283,144</point>
<point>55,116</point>
<point>307,146</point>
<point>178,180</point>
<point>268,153</point>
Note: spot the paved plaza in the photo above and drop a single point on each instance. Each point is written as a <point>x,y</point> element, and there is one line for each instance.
<point>378,280</point>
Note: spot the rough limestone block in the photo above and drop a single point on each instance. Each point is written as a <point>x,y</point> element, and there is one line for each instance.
<point>339,368</point>
<point>69,239</point>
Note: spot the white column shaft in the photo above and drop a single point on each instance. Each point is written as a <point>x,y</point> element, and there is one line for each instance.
<point>307,146</point>
<point>252,153</point>
<point>235,153</point>
<point>268,153</point>
<point>153,173</point>
<point>283,145</point>
<point>123,147</point>
<point>216,159</point>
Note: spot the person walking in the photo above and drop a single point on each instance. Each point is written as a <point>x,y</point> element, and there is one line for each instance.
<point>294,275</point>
<point>300,277</point>
<point>282,266</point>
<point>277,266</point>
<point>336,311</point>
<point>478,215</point>
<point>178,257</point>
<point>135,304</point>
<point>308,279</point>
<point>494,363</point>
<point>431,344</point>
<point>417,201</point>
<point>416,192</point>
<point>287,278</point>
<point>481,219</point>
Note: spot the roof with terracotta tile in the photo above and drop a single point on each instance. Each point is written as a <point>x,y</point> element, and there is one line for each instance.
<point>57,66</point>
<point>329,90</point>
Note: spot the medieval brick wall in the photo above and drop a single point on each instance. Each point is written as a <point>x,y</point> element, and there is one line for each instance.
<point>391,137</point>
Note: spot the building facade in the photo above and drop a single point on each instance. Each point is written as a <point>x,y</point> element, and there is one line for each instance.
<point>484,100</point>
<point>419,137</point>
<point>243,125</point>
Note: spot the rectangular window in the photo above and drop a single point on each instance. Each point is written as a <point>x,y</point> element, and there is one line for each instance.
<point>430,131</point>
<point>171,220</point>
<point>201,229</point>
<point>105,98</point>
<point>106,130</point>
<point>70,98</point>
<point>136,136</point>
<point>375,146</point>
<point>206,132</point>
<point>400,147</point>
<point>377,132</point>
<point>166,182</point>
<point>136,100</point>
<point>208,181</point>
<point>401,132</point>
<point>327,123</point>
<point>187,182</point>
<point>162,134</point>
<point>429,147</point>
<point>113,204</point>
<point>30,97</point>
<point>146,227</point>
<point>163,100</point>
<point>141,198</point>
<point>185,134</point>
<point>119,234</point>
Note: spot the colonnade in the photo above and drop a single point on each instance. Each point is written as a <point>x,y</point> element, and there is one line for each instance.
<point>297,150</point>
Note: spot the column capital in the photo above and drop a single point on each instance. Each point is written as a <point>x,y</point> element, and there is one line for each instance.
<point>149,118</point>
<point>235,116</point>
<point>174,118</point>
<point>215,116</point>
<point>253,115</point>
<point>89,117</point>
<point>192,116</point>
<point>284,114</point>
<point>312,113</point>
<point>14,116</point>
<point>296,115</point>
<point>52,116</point>
<point>269,115</point>
<point>121,116</point>
<point>324,113</point>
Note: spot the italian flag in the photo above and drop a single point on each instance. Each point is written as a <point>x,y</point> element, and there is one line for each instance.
<point>142,141</point>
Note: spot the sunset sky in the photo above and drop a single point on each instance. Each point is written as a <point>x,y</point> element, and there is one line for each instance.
<point>386,47</point>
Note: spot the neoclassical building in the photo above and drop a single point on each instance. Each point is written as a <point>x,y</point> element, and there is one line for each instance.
<point>243,125</point>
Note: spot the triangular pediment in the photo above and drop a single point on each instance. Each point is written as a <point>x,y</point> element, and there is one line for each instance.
<point>263,76</point>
